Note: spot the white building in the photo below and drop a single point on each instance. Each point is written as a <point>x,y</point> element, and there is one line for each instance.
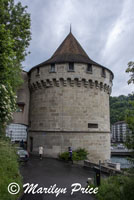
<point>17,132</point>
<point>119,131</point>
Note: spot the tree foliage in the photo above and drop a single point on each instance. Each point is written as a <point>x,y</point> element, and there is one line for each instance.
<point>17,21</point>
<point>119,107</point>
<point>130,70</point>
<point>130,113</point>
<point>7,104</point>
<point>14,39</point>
<point>130,122</point>
<point>116,188</point>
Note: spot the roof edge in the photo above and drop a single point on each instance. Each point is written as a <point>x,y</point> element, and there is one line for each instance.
<point>43,64</point>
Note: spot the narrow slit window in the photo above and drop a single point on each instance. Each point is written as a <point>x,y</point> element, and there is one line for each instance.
<point>71,67</point>
<point>91,125</point>
<point>89,68</point>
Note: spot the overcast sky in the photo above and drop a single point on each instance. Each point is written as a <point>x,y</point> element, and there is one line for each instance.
<point>104,28</point>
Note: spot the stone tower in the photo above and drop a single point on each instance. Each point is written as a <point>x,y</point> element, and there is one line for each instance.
<point>69,103</point>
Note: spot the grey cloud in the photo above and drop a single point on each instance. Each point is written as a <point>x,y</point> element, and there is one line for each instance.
<point>94,24</point>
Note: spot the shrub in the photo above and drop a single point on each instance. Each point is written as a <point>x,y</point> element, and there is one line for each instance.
<point>116,188</point>
<point>75,156</point>
<point>82,153</point>
<point>128,189</point>
<point>64,156</point>
<point>79,154</point>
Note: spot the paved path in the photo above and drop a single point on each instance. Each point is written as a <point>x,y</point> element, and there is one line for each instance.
<point>48,172</point>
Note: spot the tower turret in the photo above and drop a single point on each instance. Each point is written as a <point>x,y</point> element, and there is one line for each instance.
<point>69,103</point>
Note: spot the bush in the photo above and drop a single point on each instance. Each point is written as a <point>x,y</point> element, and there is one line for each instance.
<point>9,169</point>
<point>116,188</point>
<point>64,156</point>
<point>128,189</point>
<point>82,153</point>
<point>79,154</point>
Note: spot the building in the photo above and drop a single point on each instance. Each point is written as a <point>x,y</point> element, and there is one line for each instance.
<point>119,131</point>
<point>17,130</point>
<point>69,103</point>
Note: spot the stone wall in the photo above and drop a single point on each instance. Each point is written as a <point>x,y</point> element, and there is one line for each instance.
<point>62,104</point>
<point>69,109</point>
<point>54,143</point>
<point>23,98</point>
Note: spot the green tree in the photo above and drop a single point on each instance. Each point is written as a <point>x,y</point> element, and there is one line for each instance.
<point>15,36</point>
<point>130,116</point>
<point>130,69</point>
<point>119,107</point>
<point>130,113</point>
<point>130,122</point>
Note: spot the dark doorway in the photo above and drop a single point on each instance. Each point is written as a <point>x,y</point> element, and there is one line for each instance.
<point>31,144</point>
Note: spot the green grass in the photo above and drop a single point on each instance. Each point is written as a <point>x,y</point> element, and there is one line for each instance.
<point>9,170</point>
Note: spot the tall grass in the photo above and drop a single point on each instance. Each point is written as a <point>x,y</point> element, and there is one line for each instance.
<point>9,170</point>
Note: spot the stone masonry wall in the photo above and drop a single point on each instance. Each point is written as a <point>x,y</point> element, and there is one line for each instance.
<point>63,103</point>
<point>23,97</point>
<point>54,143</point>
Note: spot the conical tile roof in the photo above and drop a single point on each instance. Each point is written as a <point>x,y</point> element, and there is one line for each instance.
<point>70,51</point>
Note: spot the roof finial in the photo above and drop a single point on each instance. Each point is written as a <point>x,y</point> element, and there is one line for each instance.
<point>70,29</point>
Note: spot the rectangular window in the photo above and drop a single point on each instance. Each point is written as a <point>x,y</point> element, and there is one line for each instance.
<point>38,71</point>
<point>20,108</point>
<point>52,68</point>
<point>71,67</point>
<point>103,74</point>
<point>89,68</point>
<point>91,125</point>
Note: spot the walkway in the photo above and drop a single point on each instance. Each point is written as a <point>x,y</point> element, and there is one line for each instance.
<point>48,172</point>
